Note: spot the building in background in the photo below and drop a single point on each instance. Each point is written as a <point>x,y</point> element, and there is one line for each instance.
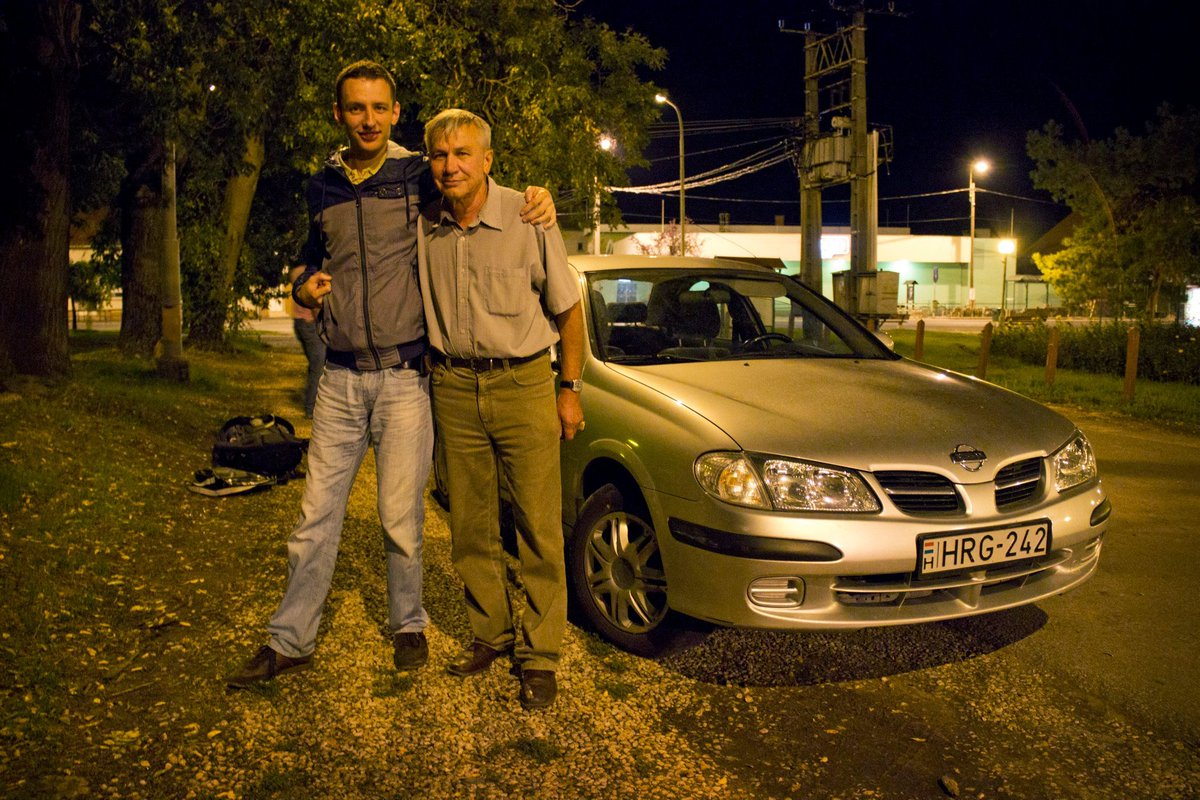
<point>933,270</point>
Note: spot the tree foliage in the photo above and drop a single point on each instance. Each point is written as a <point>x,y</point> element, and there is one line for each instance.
<point>1136,198</point>
<point>243,91</point>
<point>549,85</point>
<point>224,85</point>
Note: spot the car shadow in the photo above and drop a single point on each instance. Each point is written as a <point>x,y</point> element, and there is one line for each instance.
<point>787,658</point>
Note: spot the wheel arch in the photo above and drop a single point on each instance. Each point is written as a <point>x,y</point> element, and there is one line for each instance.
<point>607,462</point>
<point>608,470</point>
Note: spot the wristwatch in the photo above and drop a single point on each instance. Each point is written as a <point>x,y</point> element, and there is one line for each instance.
<point>575,385</point>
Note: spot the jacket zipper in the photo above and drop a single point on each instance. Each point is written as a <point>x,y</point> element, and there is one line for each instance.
<point>362,259</point>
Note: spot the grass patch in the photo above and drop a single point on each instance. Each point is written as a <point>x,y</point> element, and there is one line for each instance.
<point>119,610</point>
<point>1175,404</point>
<point>542,751</point>
<point>17,483</point>
<point>595,646</point>
<point>617,690</point>
<point>275,783</point>
<point>393,684</point>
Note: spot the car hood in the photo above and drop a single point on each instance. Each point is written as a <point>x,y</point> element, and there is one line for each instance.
<point>863,414</point>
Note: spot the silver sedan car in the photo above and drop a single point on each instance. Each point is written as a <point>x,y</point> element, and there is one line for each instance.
<point>754,457</point>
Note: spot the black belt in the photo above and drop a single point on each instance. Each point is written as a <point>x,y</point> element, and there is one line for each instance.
<point>346,360</point>
<point>483,364</point>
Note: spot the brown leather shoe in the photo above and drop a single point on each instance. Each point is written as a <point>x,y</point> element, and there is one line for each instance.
<point>265,665</point>
<point>475,658</point>
<point>538,688</point>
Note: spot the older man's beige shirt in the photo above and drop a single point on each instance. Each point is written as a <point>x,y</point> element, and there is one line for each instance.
<point>492,289</point>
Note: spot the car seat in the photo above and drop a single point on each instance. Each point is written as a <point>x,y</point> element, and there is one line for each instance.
<point>687,318</point>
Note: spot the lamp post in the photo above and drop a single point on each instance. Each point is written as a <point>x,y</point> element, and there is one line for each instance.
<point>662,99</point>
<point>1007,248</point>
<point>981,166</point>
<point>606,144</point>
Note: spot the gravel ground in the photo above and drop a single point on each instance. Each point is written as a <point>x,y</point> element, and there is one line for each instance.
<point>353,726</point>
<point>927,712</point>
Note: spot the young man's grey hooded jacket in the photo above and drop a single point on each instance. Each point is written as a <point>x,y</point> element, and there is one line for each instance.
<point>364,236</point>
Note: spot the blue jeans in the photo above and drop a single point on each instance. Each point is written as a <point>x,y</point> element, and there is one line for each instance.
<point>390,411</point>
<point>314,351</point>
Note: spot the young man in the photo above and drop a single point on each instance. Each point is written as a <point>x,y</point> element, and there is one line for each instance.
<point>361,252</point>
<point>497,294</point>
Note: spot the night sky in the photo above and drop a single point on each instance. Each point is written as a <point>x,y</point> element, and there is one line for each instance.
<point>955,80</point>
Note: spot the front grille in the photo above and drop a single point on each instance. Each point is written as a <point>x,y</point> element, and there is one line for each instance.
<point>1018,482</point>
<point>920,492</point>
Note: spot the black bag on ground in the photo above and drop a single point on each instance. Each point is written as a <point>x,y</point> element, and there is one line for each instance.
<point>265,444</point>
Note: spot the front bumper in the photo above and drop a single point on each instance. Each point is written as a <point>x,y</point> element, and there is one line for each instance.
<point>746,568</point>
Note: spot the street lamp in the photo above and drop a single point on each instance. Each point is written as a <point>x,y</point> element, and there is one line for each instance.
<point>981,166</point>
<point>606,144</point>
<point>662,99</point>
<point>1007,248</point>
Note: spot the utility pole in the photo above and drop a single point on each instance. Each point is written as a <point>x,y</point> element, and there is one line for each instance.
<point>810,192</point>
<point>844,152</point>
<point>863,232</point>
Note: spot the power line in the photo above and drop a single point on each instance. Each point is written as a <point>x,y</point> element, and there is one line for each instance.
<point>691,153</point>
<point>744,166</point>
<point>660,130</point>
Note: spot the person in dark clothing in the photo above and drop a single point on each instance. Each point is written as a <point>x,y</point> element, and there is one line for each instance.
<point>304,325</point>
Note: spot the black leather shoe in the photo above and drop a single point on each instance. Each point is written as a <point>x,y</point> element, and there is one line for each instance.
<point>409,650</point>
<point>476,658</point>
<point>538,688</point>
<point>265,665</point>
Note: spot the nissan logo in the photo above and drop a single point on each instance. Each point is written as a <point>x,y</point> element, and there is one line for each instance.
<point>968,457</point>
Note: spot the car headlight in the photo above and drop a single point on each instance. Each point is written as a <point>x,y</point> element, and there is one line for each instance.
<point>729,477</point>
<point>1074,463</point>
<point>784,484</point>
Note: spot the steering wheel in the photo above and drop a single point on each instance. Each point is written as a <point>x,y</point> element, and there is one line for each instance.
<point>762,339</point>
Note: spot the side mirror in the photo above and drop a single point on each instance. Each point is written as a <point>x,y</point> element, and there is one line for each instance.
<point>886,340</point>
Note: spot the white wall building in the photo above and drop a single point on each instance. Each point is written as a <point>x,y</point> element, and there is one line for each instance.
<point>933,269</point>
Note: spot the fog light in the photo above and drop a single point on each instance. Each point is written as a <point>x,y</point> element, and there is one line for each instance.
<point>777,592</point>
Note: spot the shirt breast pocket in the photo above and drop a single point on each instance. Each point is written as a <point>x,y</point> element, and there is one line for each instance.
<point>505,291</point>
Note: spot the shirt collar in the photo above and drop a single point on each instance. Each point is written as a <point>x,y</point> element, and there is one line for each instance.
<point>490,214</point>
<point>358,176</point>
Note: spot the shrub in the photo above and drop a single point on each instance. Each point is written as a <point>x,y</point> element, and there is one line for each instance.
<point>1166,352</point>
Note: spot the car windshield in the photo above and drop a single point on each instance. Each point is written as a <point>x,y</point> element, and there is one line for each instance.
<point>655,316</point>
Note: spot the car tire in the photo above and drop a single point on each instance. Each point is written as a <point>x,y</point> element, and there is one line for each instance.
<point>618,584</point>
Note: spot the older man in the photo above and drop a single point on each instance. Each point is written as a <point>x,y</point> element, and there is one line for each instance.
<point>497,295</point>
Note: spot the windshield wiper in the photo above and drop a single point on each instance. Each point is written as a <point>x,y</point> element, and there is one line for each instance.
<point>656,358</point>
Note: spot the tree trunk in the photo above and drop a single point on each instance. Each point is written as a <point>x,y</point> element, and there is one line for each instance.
<point>34,258</point>
<point>141,255</point>
<point>209,318</point>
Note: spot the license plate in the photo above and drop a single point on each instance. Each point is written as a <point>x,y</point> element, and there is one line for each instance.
<point>966,550</point>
